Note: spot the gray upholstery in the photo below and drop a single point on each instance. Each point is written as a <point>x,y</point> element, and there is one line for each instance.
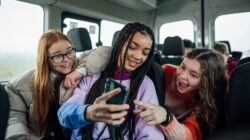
<point>80,39</point>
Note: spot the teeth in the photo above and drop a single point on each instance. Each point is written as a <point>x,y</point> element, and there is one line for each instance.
<point>132,63</point>
<point>177,82</point>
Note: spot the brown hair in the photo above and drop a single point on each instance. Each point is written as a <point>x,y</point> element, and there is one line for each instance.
<point>212,94</point>
<point>43,91</point>
<point>221,48</point>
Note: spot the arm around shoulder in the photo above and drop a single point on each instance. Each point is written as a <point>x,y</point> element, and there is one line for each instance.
<point>89,63</point>
<point>95,60</point>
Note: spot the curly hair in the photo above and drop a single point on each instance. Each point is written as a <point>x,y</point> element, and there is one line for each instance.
<point>212,94</point>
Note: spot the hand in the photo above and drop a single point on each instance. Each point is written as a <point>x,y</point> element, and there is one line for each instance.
<point>108,113</point>
<point>72,79</point>
<point>151,114</point>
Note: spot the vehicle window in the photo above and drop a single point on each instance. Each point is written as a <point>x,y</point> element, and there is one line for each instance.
<point>234,28</point>
<point>108,28</point>
<point>20,29</point>
<point>92,28</point>
<point>183,29</point>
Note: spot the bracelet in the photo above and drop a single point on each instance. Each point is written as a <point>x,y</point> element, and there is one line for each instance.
<point>169,116</point>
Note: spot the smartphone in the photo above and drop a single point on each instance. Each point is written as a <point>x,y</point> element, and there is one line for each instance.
<point>121,97</point>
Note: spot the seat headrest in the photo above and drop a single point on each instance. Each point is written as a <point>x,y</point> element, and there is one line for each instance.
<point>236,54</point>
<point>80,39</point>
<point>159,46</point>
<point>115,37</point>
<point>173,46</point>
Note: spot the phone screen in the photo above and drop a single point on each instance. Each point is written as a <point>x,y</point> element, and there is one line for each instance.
<point>120,98</point>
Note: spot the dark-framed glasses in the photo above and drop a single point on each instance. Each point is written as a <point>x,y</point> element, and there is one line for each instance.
<point>60,57</point>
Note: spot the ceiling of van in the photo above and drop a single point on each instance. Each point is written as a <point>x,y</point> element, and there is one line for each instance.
<point>137,5</point>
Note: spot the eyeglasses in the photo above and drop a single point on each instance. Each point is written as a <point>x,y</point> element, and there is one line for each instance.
<point>60,57</point>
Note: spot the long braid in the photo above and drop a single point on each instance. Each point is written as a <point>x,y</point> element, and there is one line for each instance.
<point>136,80</point>
<point>138,75</point>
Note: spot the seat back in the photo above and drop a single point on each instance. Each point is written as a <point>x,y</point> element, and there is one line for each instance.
<point>5,108</point>
<point>239,96</point>
<point>80,39</point>
<point>158,53</point>
<point>172,51</point>
<point>157,75</point>
<point>238,108</point>
<point>115,37</point>
<point>159,47</point>
<point>243,61</point>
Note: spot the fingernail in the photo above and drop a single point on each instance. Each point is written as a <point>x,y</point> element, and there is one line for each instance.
<point>126,106</point>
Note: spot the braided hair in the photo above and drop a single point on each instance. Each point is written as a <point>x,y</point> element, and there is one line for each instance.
<point>137,76</point>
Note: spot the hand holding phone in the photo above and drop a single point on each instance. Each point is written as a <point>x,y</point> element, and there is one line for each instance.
<point>120,98</point>
<point>100,111</point>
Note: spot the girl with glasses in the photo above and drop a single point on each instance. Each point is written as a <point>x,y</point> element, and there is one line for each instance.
<point>36,95</point>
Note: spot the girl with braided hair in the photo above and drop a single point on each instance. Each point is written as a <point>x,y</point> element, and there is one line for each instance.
<point>87,112</point>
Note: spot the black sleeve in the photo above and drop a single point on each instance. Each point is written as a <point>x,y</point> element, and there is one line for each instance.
<point>156,73</point>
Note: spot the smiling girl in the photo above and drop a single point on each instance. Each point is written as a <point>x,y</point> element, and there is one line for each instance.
<point>36,95</point>
<point>195,98</point>
<point>87,112</point>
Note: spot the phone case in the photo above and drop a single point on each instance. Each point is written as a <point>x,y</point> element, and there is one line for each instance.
<point>120,98</point>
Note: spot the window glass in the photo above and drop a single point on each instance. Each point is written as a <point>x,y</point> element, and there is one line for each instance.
<point>183,29</point>
<point>92,28</point>
<point>108,29</point>
<point>20,29</point>
<point>235,29</point>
